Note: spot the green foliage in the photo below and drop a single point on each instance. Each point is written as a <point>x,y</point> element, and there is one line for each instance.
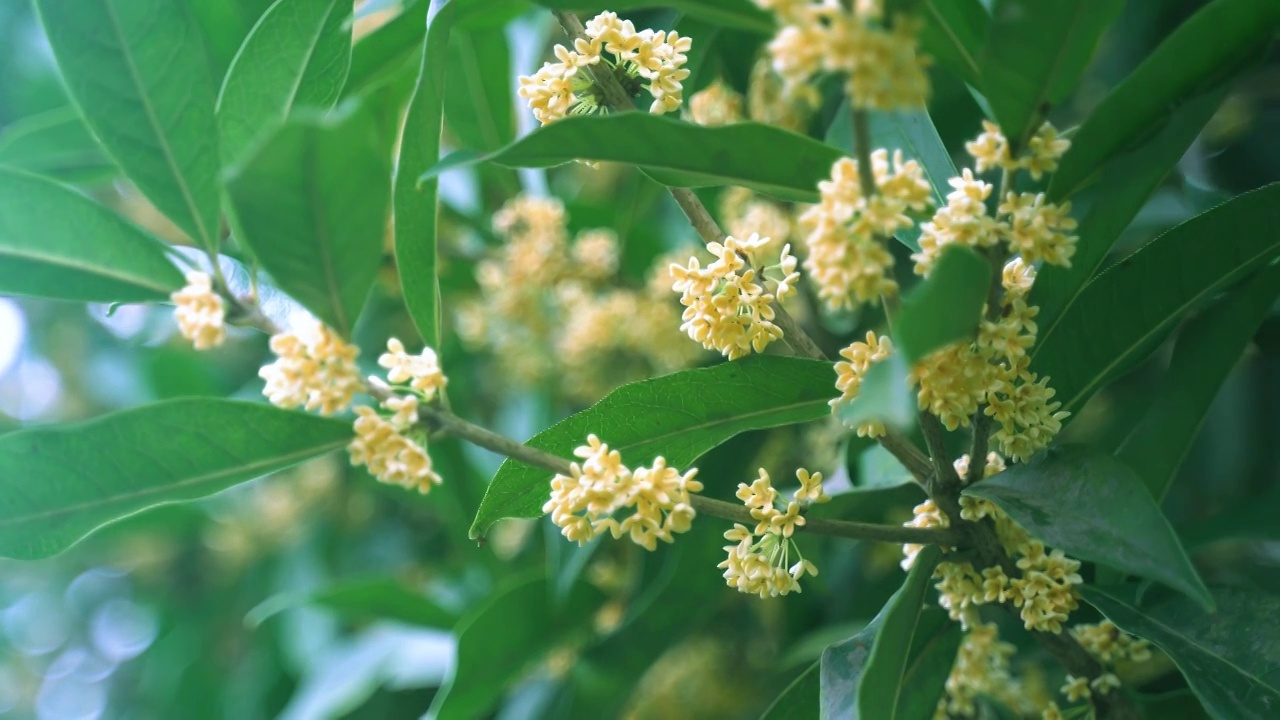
<point>167,452</point>
<point>741,14</point>
<point>784,164</point>
<point>477,98</point>
<point>296,56</point>
<point>945,307</point>
<point>1125,312</point>
<point>1034,54</point>
<point>800,701</point>
<point>953,33</point>
<point>884,395</point>
<point>1203,52</point>
<point>56,243</point>
<point>1093,507</point>
<point>840,672</point>
<point>137,72</point>
<point>311,202</point>
<point>1231,658</point>
<point>678,416</point>
<point>366,599</point>
<point>57,144</point>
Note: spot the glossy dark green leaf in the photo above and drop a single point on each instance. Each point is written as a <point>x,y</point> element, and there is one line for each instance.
<point>57,144</point>
<point>678,416</point>
<point>477,97</point>
<point>296,56</point>
<point>800,701</point>
<point>1034,55</point>
<point>676,153</point>
<point>57,243</point>
<point>741,14</point>
<point>137,70</point>
<point>884,395</point>
<point>61,483</point>
<point>933,655</point>
<point>953,33</point>
<point>887,687</point>
<point>1094,507</point>
<point>1203,52</point>
<point>945,307</point>
<point>363,600</point>
<point>311,202</point>
<point>1127,310</point>
<point>840,672</point>
<point>1208,348</point>
<point>497,639</point>
<point>1124,186</point>
<point>1231,658</point>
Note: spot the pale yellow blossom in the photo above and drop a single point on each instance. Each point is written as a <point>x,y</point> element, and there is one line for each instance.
<point>199,312</point>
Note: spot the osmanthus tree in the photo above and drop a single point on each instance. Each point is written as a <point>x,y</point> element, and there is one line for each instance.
<point>941,324</point>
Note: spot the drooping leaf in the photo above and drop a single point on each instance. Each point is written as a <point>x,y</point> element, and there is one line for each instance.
<point>1203,52</point>
<point>1094,507</point>
<point>57,243</point>
<point>883,395</point>
<point>57,144</point>
<point>364,600</point>
<point>496,639</point>
<point>61,483</point>
<point>678,416</point>
<point>477,97</point>
<point>1231,658</point>
<point>801,699</point>
<point>311,202</point>
<point>1125,184</point>
<point>944,308</point>
<point>953,32</point>
<point>296,56</point>
<point>137,71</point>
<point>782,163</point>
<point>1128,309</point>
<point>886,687</point>
<point>1208,348</point>
<point>741,14</point>
<point>1034,55</point>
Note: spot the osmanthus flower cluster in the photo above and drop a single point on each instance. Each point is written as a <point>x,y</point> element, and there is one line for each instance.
<point>876,55</point>
<point>764,560</point>
<point>728,304</point>
<point>600,495</point>
<point>552,308</point>
<point>314,369</point>
<point>200,312</point>
<point>649,59</point>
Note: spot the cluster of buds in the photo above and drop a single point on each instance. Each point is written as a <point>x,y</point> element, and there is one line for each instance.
<point>878,59</point>
<point>587,502</point>
<point>314,369</point>
<point>726,309</point>
<point>760,558</point>
<point>991,151</point>
<point>199,312</point>
<point>648,59</point>
<point>858,359</point>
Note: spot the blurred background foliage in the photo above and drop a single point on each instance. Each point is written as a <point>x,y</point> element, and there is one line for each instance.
<point>317,593</point>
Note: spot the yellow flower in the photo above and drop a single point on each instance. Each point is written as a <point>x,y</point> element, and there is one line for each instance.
<point>726,309</point>
<point>314,368</point>
<point>421,371</point>
<point>390,456</point>
<point>199,312</point>
<point>1076,688</point>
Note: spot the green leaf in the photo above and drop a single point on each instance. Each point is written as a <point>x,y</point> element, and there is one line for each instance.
<point>1035,53</point>
<point>1094,507</point>
<point>953,33</point>
<point>311,203</point>
<point>137,71</point>
<point>884,395</point>
<point>366,599</point>
<point>1231,659</point>
<point>675,153</point>
<point>891,686</point>
<point>1128,309</point>
<point>1208,348</point>
<point>1202,53</point>
<point>62,483</point>
<point>841,671</point>
<point>741,14</point>
<point>1126,183</point>
<point>477,98</point>
<point>678,416</point>
<point>878,468</point>
<point>945,307</point>
<point>800,701</point>
<point>57,243</point>
<point>384,51</point>
<point>57,144</point>
<point>498,638</point>
<point>296,56</point>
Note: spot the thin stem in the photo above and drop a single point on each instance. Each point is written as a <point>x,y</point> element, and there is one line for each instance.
<point>862,148</point>
<point>908,454</point>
